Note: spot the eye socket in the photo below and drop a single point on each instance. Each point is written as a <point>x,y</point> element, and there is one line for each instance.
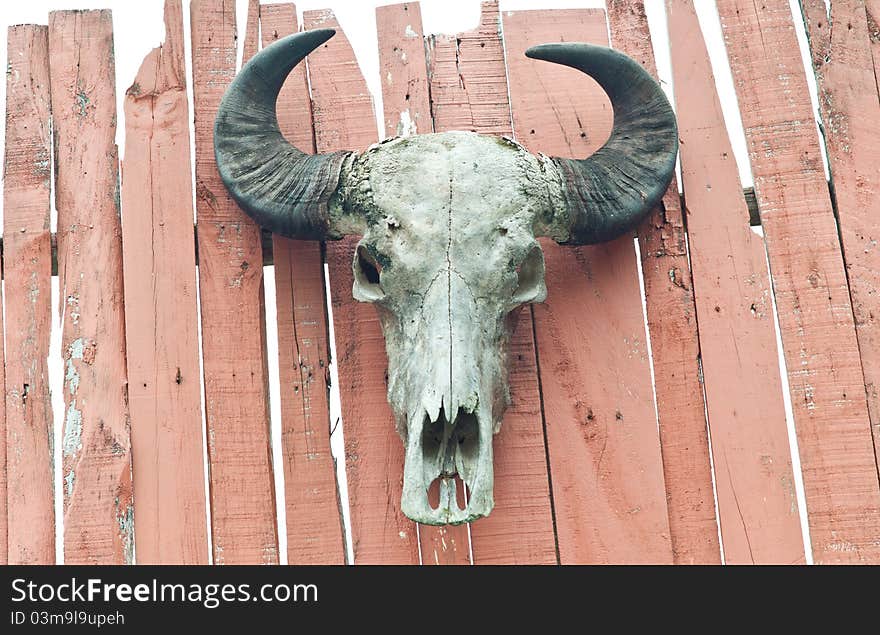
<point>530,278</point>
<point>367,273</point>
<point>368,266</point>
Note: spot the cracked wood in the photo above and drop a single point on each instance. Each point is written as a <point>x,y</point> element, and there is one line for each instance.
<point>96,450</point>
<point>161,315</point>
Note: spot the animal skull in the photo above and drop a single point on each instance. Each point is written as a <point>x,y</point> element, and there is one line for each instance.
<point>448,252</point>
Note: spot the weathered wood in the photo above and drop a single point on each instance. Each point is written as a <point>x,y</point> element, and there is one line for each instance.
<point>872,15</point>
<point>344,120</point>
<point>603,444</point>
<point>407,112</point>
<point>27,262</point>
<point>231,290</point>
<point>754,480</point>
<point>161,315</point>
<point>314,525</point>
<point>402,67</point>
<point>98,512</point>
<point>469,91</point>
<point>848,100</point>
<point>675,347</point>
<point>815,315</point>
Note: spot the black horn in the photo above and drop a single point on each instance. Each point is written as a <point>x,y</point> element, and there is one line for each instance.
<point>283,189</point>
<point>611,191</point>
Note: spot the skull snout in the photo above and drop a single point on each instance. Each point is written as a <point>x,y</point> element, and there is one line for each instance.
<point>455,454</point>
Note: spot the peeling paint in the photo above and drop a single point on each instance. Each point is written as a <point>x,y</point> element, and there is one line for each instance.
<point>72,442</point>
<point>69,481</point>
<point>406,126</point>
<point>408,32</point>
<point>125,521</point>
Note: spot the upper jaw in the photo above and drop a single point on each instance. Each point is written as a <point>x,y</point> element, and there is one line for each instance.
<point>441,450</point>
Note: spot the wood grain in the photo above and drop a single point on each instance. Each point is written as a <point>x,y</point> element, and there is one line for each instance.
<point>603,443</point>
<point>754,481</point>
<point>818,330</point>
<point>27,265</point>
<point>675,347</point>
<point>233,341</point>
<point>848,100</point>
<point>96,449</point>
<point>161,315</point>
<point>314,523</point>
<point>344,120</point>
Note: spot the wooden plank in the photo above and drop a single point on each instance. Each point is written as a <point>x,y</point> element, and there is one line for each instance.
<point>848,101</point>
<point>344,120</point>
<point>754,479</point>
<point>407,112</point>
<point>314,524</point>
<point>815,315</point>
<point>231,290</point>
<point>603,443</point>
<point>469,91</point>
<point>872,15</point>
<point>405,91</point>
<point>27,264</point>
<point>161,315</point>
<point>98,512</point>
<point>675,347</point>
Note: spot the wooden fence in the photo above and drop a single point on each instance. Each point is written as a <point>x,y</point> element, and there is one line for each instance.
<point>618,447</point>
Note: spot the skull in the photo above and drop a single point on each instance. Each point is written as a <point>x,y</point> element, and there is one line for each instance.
<point>449,252</point>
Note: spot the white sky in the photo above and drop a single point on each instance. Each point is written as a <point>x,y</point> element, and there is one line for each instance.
<point>138,27</point>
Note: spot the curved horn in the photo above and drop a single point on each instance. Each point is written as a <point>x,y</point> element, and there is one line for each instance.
<point>609,192</point>
<point>282,189</point>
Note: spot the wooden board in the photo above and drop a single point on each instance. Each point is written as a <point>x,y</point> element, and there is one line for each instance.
<point>603,444</point>
<point>848,101</point>
<point>98,512</point>
<point>753,475</point>
<point>314,524</point>
<point>815,315</point>
<point>161,315</point>
<point>469,91</point>
<point>27,268</point>
<point>872,15</point>
<point>233,340</point>
<point>408,112</point>
<point>344,120</point>
<point>675,347</point>
<point>402,68</point>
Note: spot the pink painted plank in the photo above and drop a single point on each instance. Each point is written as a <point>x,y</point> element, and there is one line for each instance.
<point>161,315</point>
<point>469,91</point>
<point>408,112</point>
<point>27,268</point>
<point>405,94</point>
<point>314,524</point>
<point>872,15</point>
<point>675,347</point>
<point>233,341</point>
<point>96,451</point>
<point>603,443</point>
<point>754,479</point>
<point>344,120</point>
<point>819,333</point>
<point>844,69</point>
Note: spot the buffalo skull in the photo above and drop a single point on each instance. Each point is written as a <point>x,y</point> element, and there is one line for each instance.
<point>448,252</point>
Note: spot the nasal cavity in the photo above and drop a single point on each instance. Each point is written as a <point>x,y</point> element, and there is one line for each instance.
<point>460,492</point>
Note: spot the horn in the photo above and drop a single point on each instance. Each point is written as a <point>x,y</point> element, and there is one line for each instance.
<point>283,189</point>
<point>611,191</point>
